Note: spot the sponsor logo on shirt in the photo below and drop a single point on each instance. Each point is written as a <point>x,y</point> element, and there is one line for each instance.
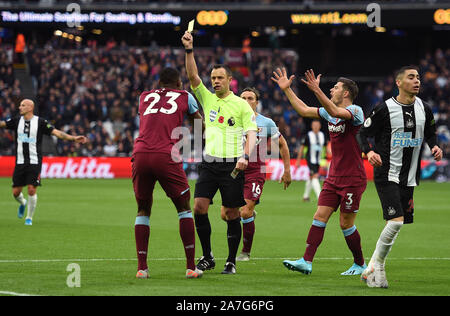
<point>404,139</point>
<point>336,128</point>
<point>25,139</point>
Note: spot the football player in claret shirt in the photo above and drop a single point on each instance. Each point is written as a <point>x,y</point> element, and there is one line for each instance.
<point>29,132</point>
<point>346,181</point>
<point>155,158</point>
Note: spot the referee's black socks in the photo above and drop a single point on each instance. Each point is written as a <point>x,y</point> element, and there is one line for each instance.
<point>234,233</point>
<point>203,227</point>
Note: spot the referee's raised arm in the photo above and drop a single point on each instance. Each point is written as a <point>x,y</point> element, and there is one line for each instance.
<point>191,66</point>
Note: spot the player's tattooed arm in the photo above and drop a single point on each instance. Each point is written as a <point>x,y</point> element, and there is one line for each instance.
<point>64,136</point>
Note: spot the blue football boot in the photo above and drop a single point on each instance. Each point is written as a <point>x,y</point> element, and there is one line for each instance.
<point>299,265</point>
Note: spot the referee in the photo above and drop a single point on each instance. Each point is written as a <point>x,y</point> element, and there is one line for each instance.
<point>400,126</point>
<point>29,130</point>
<point>227,118</point>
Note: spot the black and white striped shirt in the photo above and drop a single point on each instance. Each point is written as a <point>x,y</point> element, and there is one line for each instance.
<point>315,143</point>
<point>29,136</point>
<point>400,131</point>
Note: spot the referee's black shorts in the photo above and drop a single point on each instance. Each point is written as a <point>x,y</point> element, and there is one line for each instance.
<point>27,174</point>
<point>396,200</point>
<point>215,176</point>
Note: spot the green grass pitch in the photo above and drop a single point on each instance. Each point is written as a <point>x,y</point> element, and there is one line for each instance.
<point>91,223</point>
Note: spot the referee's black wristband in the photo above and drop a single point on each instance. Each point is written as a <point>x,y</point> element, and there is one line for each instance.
<point>189,50</point>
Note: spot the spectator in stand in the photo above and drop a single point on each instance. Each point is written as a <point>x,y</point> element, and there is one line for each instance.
<point>102,85</point>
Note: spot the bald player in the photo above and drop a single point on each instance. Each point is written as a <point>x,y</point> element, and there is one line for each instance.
<point>29,131</point>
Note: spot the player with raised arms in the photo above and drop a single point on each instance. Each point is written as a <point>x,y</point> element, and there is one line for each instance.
<point>346,179</point>
<point>155,158</point>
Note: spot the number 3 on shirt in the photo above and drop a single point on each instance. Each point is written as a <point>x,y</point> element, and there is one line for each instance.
<point>156,97</point>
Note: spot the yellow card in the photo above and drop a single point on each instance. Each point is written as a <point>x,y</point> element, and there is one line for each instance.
<point>191,26</point>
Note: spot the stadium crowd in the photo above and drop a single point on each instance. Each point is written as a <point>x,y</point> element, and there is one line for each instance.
<point>93,91</point>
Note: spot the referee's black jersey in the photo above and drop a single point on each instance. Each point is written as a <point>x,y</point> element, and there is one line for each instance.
<point>29,136</point>
<point>400,131</point>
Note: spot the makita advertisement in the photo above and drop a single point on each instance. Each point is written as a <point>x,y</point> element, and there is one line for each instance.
<point>75,168</point>
<point>111,168</point>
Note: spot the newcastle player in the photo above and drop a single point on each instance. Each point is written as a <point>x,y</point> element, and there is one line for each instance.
<point>30,130</point>
<point>401,125</point>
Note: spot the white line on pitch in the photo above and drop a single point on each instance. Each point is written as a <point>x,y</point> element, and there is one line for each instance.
<point>15,294</point>
<point>179,259</point>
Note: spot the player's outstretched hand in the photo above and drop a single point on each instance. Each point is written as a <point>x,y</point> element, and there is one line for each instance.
<point>437,153</point>
<point>286,179</point>
<point>187,40</point>
<point>80,139</point>
<point>311,81</point>
<point>280,77</point>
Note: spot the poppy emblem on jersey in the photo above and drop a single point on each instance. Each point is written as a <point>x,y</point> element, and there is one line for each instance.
<point>221,119</point>
<point>212,115</point>
<point>231,121</point>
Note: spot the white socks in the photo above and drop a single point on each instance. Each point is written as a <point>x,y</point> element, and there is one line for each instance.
<point>307,189</point>
<point>385,242</point>
<point>314,184</point>
<point>32,201</point>
<point>21,199</point>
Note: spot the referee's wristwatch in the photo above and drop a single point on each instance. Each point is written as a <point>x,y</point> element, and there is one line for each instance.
<point>246,157</point>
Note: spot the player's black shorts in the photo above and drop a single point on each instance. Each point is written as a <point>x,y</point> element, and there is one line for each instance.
<point>313,168</point>
<point>25,174</point>
<point>396,200</point>
<point>215,176</point>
